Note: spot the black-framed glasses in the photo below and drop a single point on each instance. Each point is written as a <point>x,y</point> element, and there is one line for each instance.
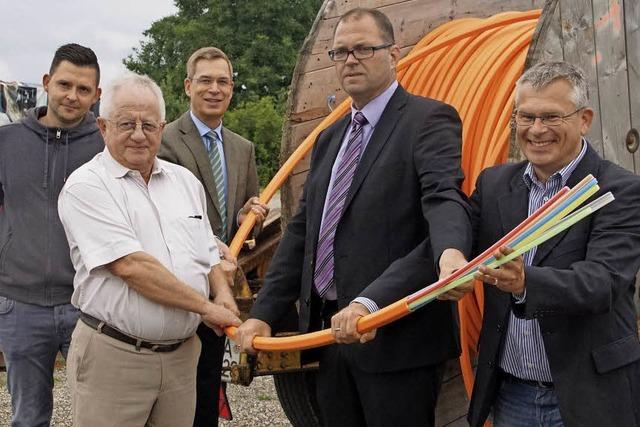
<point>126,126</point>
<point>360,52</point>
<point>526,119</point>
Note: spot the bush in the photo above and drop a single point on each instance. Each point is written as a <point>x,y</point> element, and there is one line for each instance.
<point>260,122</point>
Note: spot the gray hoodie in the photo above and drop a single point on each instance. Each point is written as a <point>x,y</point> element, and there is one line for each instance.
<point>35,161</point>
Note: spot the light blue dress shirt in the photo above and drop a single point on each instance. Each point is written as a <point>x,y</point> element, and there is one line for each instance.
<point>372,112</point>
<point>523,355</point>
<point>203,130</point>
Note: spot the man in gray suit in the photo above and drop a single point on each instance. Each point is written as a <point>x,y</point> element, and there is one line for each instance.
<point>225,164</point>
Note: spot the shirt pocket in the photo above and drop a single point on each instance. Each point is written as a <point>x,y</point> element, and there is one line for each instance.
<point>190,241</point>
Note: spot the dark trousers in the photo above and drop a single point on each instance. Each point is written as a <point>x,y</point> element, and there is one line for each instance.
<point>351,397</point>
<point>208,379</point>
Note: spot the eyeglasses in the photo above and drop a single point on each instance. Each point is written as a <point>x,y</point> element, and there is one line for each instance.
<point>526,119</point>
<point>126,126</point>
<point>360,52</point>
<point>208,82</point>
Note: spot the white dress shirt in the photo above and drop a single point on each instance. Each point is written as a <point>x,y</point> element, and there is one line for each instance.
<point>108,211</point>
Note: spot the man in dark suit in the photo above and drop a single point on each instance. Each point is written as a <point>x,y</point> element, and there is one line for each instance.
<point>559,342</point>
<point>224,162</point>
<point>381,210</point>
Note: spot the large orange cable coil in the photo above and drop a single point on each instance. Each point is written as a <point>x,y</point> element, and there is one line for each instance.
<point>471,64</point>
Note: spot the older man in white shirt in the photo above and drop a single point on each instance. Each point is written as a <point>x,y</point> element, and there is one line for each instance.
<point>146,262</point>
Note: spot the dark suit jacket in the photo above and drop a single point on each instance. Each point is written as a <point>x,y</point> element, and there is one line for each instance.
<point>182,145</point>
<point>580,288</point>
<point>405,190</point>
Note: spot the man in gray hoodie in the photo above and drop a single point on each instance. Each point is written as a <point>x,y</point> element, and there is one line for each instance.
<point>37,154</point>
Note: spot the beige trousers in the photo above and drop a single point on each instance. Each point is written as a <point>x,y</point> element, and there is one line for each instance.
<point>112,384</point>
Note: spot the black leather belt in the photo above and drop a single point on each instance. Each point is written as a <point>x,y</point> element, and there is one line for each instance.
<point>533,383</point>
<point>114,333</point>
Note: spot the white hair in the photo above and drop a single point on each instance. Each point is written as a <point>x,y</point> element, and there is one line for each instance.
<point>128,80</point>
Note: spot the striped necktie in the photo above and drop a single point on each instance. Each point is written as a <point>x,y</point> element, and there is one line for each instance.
<point>218,178</point>
<point>323,273</point>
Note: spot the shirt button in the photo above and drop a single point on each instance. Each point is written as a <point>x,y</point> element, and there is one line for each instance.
<point>526,333</point>
<point>530,365</point>
<point>545,199</point>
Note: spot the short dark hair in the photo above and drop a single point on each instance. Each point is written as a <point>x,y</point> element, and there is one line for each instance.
<point>79,56</point>
<point>382,21</point>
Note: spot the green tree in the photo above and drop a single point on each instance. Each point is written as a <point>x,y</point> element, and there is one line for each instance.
<point>261,122</point>
<point>262,39</point>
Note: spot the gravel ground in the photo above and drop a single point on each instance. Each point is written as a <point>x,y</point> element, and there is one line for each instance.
<point>254,406</point>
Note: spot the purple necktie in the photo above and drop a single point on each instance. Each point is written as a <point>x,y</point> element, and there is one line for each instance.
<point>323,274</point>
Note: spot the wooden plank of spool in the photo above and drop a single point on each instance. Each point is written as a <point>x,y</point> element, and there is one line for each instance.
<point>610,42</point>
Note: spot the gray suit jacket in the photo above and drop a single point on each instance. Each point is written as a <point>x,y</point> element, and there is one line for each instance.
<point>182,145</point>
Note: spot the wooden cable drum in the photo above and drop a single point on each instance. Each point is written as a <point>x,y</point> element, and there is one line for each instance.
<point>471,64</point>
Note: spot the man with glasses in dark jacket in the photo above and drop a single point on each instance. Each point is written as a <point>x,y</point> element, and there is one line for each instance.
<point>37,154</point>
<point>380,213</point>
<point>559,343</point>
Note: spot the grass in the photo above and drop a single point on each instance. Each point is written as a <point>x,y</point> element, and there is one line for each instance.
<point>264,397</point>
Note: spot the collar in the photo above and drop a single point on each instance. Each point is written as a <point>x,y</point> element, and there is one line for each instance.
<point>563,174</point>
<point>117,170</point>
<point>374,108</point>
<point>203,129</point>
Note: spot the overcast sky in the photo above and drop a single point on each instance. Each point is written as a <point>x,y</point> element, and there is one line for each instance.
<point>32,30</point>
